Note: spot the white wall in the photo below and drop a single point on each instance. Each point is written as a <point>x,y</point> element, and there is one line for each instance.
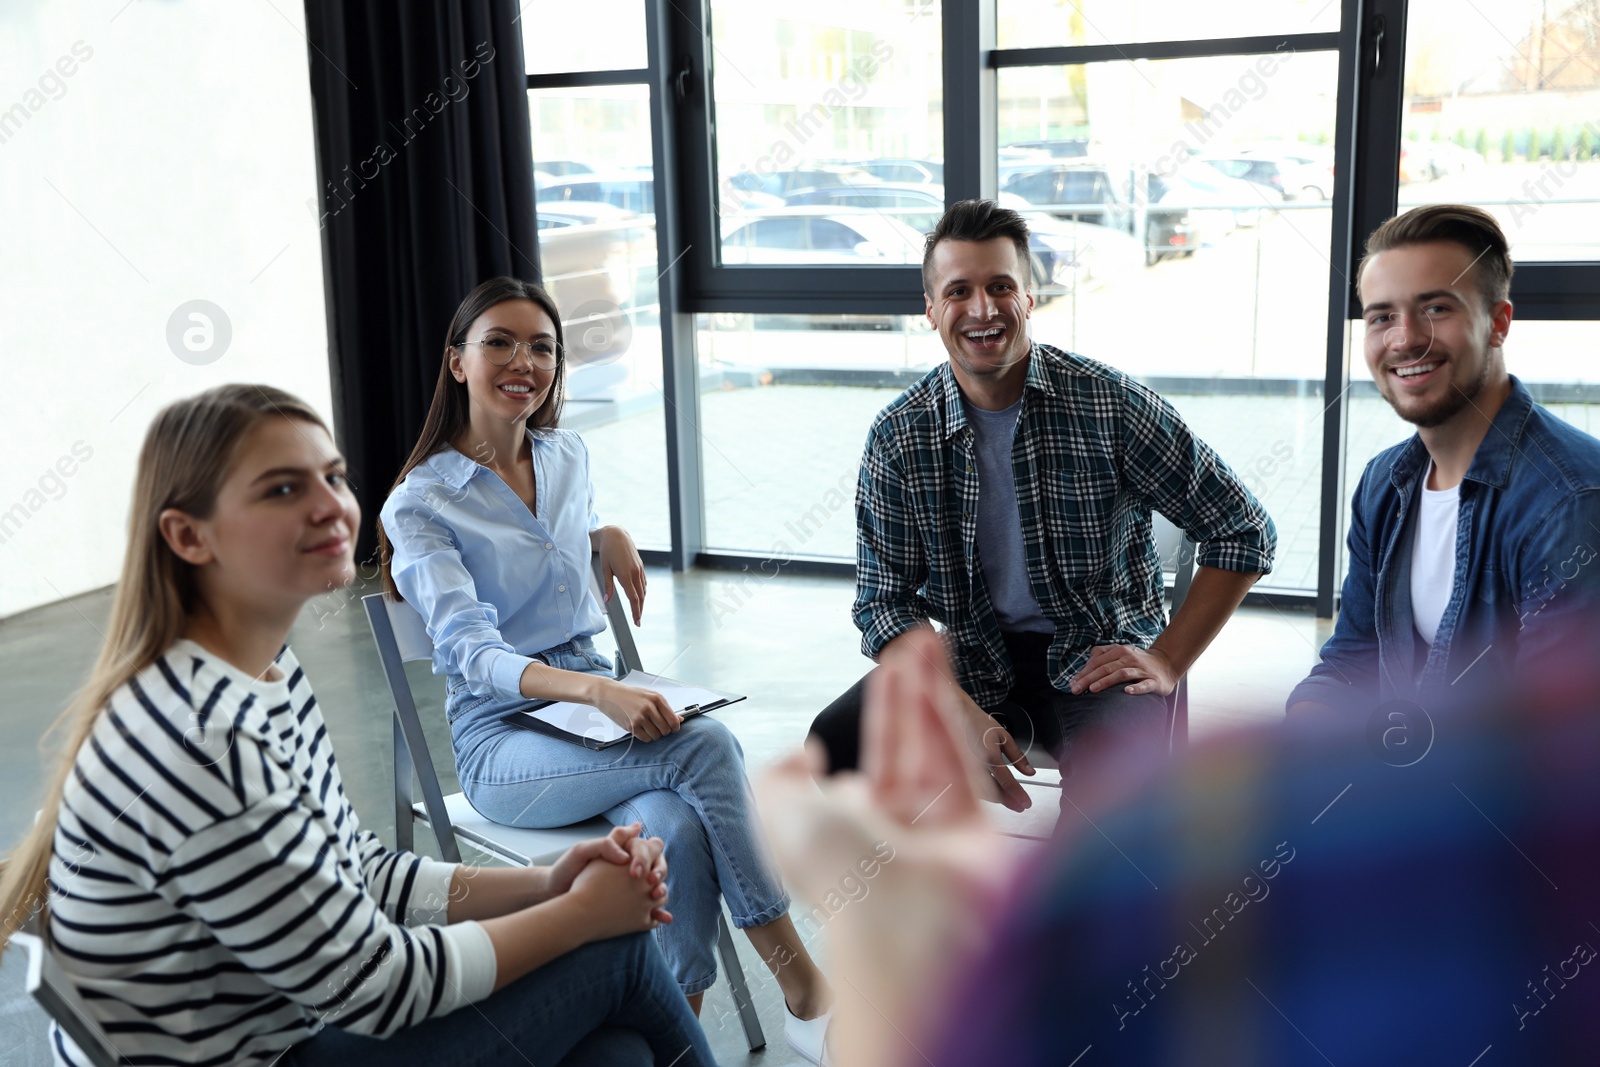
<point>152,152</point>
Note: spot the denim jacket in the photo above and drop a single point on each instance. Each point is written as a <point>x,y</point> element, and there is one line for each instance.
<point>1524,611</point>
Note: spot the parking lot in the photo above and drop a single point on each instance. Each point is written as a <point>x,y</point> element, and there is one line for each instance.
<point>1233,335</point>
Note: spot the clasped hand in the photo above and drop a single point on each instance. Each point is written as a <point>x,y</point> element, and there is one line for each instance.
<point>622,876</point>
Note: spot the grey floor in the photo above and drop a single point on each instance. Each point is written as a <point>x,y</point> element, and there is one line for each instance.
<point>786,641</point>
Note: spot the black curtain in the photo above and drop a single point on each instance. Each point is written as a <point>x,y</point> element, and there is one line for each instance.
<point>426,166</point>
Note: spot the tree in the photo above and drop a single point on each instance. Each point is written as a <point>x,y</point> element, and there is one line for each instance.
<point>1508,148</point>
<point>1480,144</point>
<point>1535,150</point>
<point>1585,144</point>
<point>1558,144</point>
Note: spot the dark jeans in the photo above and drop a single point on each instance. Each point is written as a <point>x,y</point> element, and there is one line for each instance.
<point>1039,716</point>
<point>606,1003</point>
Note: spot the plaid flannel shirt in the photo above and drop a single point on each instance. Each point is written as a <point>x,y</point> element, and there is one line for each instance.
<point>1094,453</point>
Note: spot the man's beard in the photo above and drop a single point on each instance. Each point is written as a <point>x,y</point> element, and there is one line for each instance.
<point>1448,406</point>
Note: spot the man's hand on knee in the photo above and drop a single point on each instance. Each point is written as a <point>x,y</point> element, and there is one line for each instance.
<point>1138,670</point>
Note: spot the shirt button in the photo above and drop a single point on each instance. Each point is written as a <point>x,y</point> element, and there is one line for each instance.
<point>561,589</point>
<point>548,546</point>
<point>569,633</point>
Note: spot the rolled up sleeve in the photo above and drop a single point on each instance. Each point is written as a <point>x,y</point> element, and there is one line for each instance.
<point>1183,478</point>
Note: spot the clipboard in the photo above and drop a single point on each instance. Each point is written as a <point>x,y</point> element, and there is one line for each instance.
<point>586,725</point>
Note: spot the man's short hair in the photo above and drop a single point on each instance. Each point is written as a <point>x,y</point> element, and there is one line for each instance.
<point>1472,228</point>
<point>978,220</point>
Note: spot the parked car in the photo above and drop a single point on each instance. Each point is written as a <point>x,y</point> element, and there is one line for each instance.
<point>1216,205</point>
<point>561,168</point>
<point>918,206</point>
<point>599,262</point>
<point>626,189</point>
<point>1057,246</point>
<point>1055,148</point>
<point>1295,170</point>
<point>819,234</point>
<point>1091,192</point>
<point>919,171</point>
<point>780,183</point>
<point>632,189</point>
<point>1069,254</point>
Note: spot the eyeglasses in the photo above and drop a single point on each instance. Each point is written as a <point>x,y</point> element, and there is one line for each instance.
<point>502,350</point>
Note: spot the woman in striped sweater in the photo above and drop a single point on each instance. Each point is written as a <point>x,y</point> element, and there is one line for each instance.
<point>208,887</point>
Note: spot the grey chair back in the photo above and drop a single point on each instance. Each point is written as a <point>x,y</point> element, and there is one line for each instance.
<point>402,637</point>
<point>48,984</point>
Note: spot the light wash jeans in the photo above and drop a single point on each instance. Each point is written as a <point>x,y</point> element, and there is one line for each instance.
<point>688,789</point>
<point>606,1004</point>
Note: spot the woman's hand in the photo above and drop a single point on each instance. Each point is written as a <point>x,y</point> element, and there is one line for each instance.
<point>619,559</point>
<point>614,902</point>
<point>642,712</point>
<point>645,858</point>
<point>615,847</point>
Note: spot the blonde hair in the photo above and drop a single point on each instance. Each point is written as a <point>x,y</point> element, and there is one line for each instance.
<point>188,453</point>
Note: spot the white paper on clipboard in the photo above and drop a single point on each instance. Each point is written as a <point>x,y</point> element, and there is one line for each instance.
<point>586,720</point>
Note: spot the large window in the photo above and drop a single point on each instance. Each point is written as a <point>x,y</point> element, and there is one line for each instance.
<point>1057,23</point>
<point>829,131</point>
<point>595,182</point>
<point>1181,211</point>
<point>1199,182</point>
<point>1502,109</point>
<point>784,416</point>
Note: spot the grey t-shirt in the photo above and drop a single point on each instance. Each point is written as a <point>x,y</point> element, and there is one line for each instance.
<point>1000,552</point>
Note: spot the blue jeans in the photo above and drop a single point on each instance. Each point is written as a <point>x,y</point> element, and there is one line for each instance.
<point>606,1003</point>
<point>688,789</point>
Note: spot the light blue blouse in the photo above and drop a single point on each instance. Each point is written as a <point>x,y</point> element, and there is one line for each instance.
<point>494,582</point>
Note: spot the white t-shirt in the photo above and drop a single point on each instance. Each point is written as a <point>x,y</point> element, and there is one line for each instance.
<point>1433,556</point>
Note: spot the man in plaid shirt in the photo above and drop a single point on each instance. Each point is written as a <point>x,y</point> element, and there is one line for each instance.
<point>1008,495</point>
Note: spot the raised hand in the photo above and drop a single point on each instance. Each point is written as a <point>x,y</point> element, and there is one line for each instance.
<point>914,812</point>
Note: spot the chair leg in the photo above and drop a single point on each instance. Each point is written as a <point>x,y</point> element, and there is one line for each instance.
<point>737,985</point>
<point>403,815</point>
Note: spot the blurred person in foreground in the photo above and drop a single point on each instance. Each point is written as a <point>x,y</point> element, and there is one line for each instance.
<point>1009,495</point>
<point>1472,544</point>
<point>1293,895</point>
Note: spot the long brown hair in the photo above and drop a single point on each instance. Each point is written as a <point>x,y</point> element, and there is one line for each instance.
<point>188,453</point>
<point>448,414</point>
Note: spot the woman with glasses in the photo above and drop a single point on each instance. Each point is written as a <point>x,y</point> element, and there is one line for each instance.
<point>488,533</point>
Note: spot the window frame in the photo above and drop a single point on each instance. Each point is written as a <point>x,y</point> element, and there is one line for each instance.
<point>1369,44</point>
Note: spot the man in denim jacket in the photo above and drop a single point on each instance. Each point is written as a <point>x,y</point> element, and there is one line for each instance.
<point>1473,575</point>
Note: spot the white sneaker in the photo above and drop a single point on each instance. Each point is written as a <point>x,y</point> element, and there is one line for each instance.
<point>809,1037</point>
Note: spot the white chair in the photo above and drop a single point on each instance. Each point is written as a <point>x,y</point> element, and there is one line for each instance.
<point>50,986</point>
<point>402,638</point>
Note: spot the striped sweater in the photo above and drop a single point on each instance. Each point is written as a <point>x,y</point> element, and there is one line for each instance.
<point>212,895</point>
